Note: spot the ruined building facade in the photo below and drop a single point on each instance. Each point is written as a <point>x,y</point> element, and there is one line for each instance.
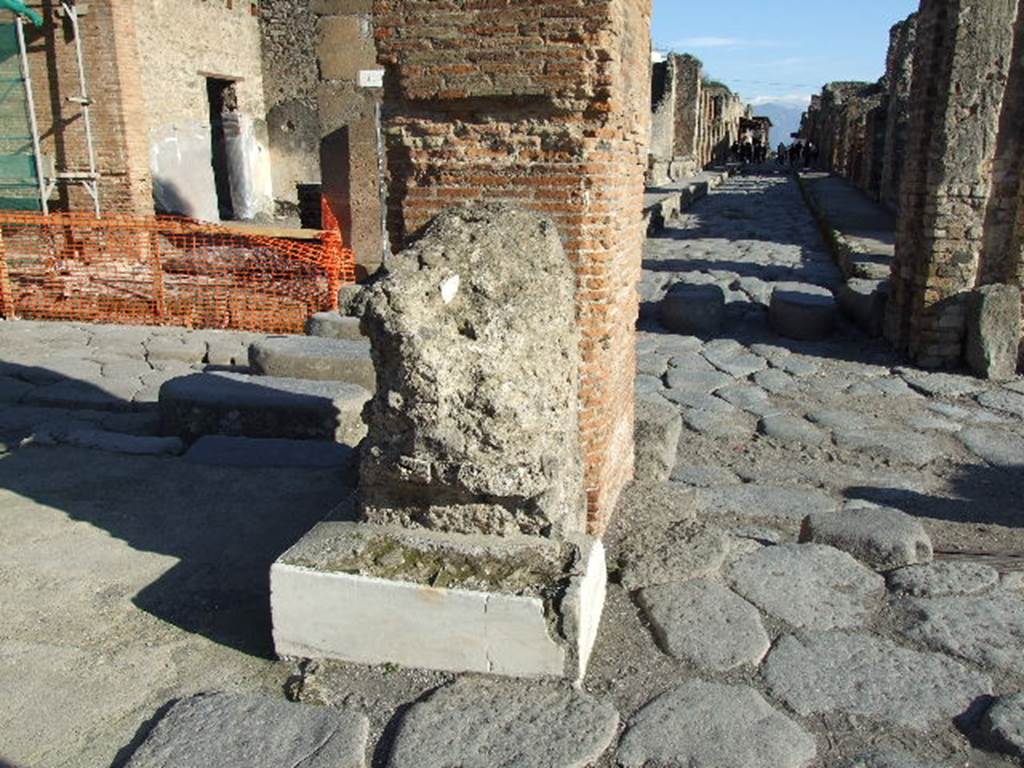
<point>694,122</point>
<point>938,140</point>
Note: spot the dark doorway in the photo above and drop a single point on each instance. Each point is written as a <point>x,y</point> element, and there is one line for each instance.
<point>223,118</point>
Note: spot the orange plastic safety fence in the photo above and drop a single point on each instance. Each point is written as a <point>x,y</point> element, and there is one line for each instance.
<point>165,271</point>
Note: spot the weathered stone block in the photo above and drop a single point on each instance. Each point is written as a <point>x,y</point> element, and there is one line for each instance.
<point>332,325</point>
<point>261,406</point>
<point>473,428</point>
<point>519,606</point>
<point>315,358</point>
<point>993,331</point>
<point>802,311</point>
<point>690,309</point>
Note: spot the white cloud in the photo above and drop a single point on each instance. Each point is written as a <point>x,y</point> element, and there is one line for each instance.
<point>786,99</point>
<point>690,43</point>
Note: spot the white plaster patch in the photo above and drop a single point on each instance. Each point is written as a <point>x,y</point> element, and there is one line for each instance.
<point>449,288</point>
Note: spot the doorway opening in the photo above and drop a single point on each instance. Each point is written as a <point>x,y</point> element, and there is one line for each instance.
<point>223,101</point>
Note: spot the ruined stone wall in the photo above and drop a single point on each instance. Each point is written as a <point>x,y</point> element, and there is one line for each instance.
<point>899,72</point>
<point>663,119</point>
<point>689,83</point>
<point>291,75</point>
<point>323,125</point>
<point>543,105</point>
<point>180,45</point>
<point>118,112</point>
<point>949,193</point>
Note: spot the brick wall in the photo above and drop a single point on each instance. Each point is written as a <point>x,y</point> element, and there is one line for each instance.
<point>118,113</point>
<point>689,82</point>
<point>542,104</point>
<point>961,69</point>
<point>899,73</point>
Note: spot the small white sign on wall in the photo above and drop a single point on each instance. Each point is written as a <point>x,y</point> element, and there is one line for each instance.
<point>371,78</point>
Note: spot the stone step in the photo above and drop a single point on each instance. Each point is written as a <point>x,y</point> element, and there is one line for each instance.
<point>802,311</point>
<point>314,358</point>
<point>225,451</point>
<point>332,325</point>
<point>262,406</point>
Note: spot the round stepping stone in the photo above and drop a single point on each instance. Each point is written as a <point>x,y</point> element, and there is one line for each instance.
<point>1003,725</point>
<point>314,358</point>
<point>693,309</point>
<point>996,446</point>
<point>943,579</point>
<point>482,723</point>
<point>838,673</point>
<point>987,629</point>
<point>705,725</point>
<point>705,624</point>
<point>808,585</point>
<point>674,553</point>
<point>761,500</point>
<point>245,731</point>
<point>884,539</point>
<point>802,311</point>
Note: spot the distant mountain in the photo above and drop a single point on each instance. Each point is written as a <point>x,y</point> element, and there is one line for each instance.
<point>785,116</point>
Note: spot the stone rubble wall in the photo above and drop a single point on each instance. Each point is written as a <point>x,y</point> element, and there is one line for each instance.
<point>544,106</point>
<point>705,120</point>
<point>960,187</point>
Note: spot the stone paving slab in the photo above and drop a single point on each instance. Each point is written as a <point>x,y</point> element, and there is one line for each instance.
<point>245,731</point>
<point>706,725</point>
<point>808,585</point>
<point>482,723</point>
<point>834,672</point>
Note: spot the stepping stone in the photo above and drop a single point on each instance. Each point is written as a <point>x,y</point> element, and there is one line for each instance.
<point>987,629</point>
<point>828,673</point>
<point>703,623</point>
<point>940,384</point>
<point>656,438</point>
<point>792,429</point>
<point>882,538</point>
<point>1003,400</point>
<point>693,309</point>
<point>802,311</point>
<point>943,579</point>
<point>246,731</point>
<point>889,760</point>
<point>331,325</point>
<point>996,446</point>
<point>483,722</point>
<point>1003,725</point>
<point>864,302</point>
<point>761,500</point>
<point>261,406</point>
<point>222,451</point>
<point>707,725</point>
<point>314,358</point>
<point>808,586</point>
<point>653,555</point>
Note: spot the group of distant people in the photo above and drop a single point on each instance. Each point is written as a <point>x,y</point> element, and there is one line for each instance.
<point>799,154</point>
<point>749,151</point>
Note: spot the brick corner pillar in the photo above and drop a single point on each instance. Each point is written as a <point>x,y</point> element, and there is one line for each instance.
<point>544,105</point>
<point>120,125</point>
<point>962,62</point>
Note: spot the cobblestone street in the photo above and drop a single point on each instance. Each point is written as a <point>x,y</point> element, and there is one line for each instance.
<point>131,581</point>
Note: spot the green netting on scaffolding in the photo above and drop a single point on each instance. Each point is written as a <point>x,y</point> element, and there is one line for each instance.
<point>19,183</point>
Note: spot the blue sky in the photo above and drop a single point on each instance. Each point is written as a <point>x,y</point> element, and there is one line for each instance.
<point>781,50</point>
